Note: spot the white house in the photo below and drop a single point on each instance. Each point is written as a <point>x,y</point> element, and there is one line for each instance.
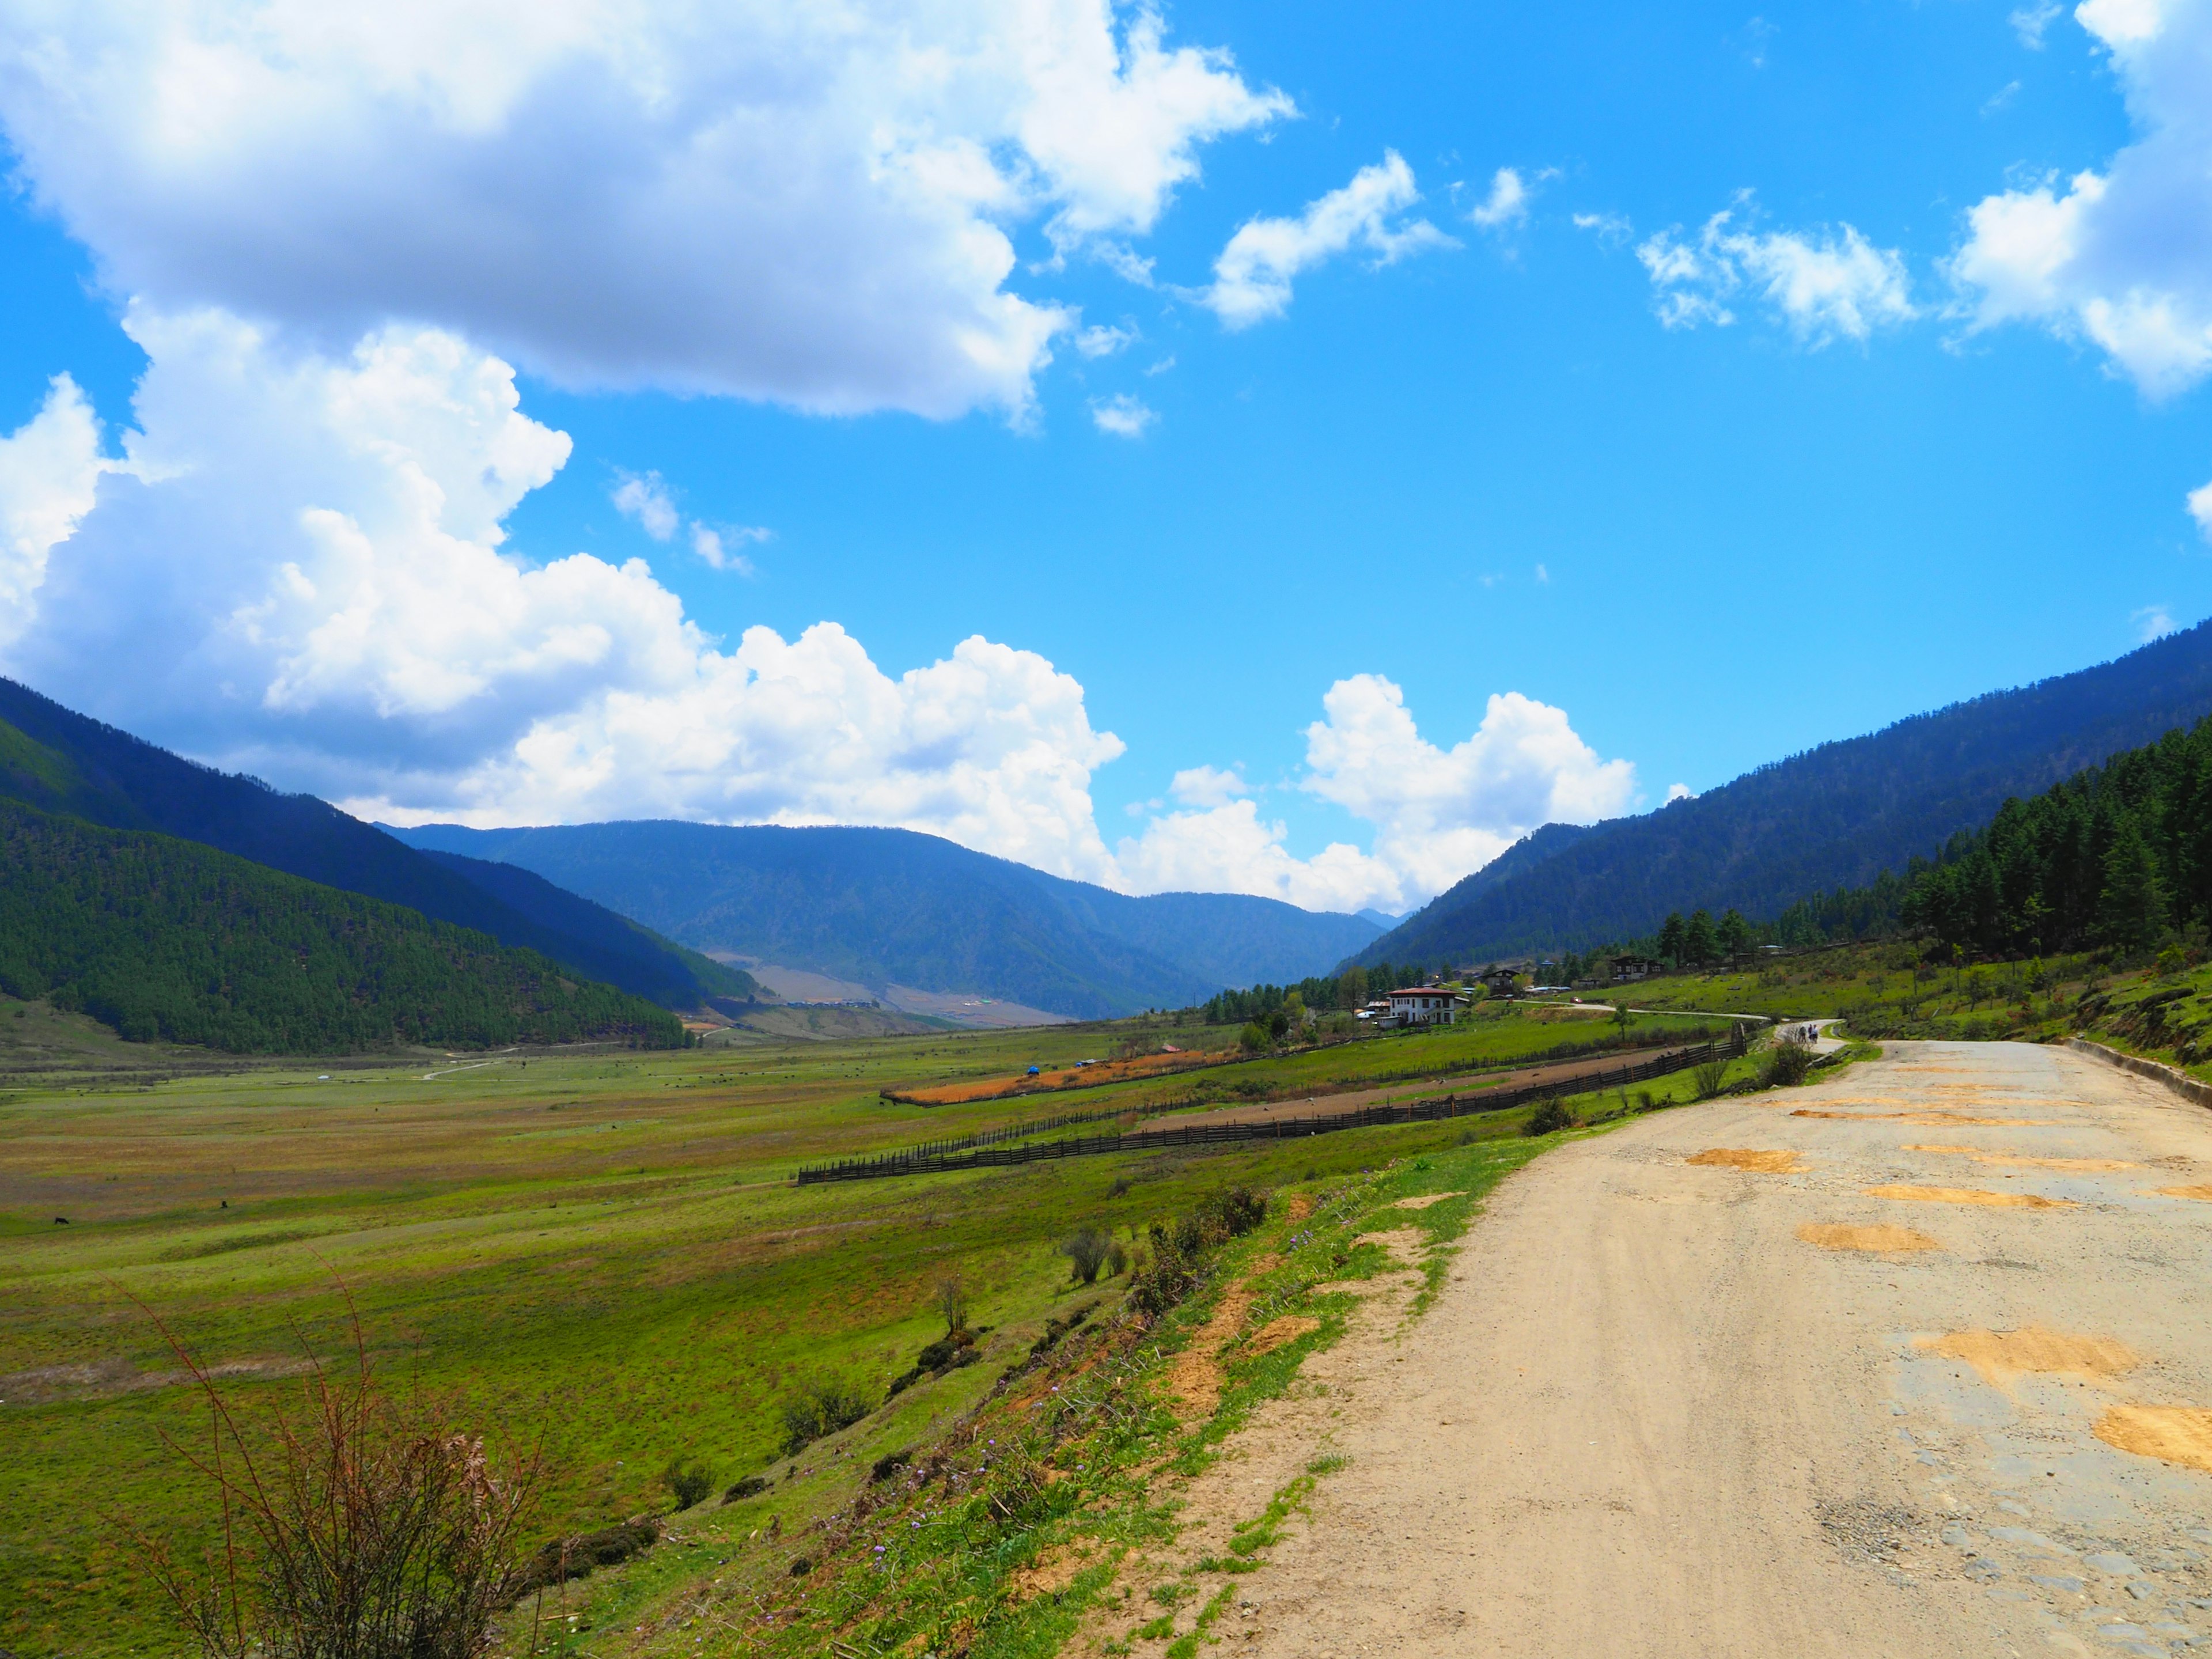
<point>1424,1005</point>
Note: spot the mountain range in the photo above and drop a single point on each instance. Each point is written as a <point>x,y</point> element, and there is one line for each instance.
<point>1833,816</point>
<point>894,907</point>
<point>57,761</point>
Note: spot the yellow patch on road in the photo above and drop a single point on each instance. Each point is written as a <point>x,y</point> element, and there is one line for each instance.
<point>1279,1332</point>
<point>1756,1160</point>
<point>1971,1195</point>
<point>2016,1161</point>
<point>2000,1356</point>
<point>1835,1235</point>
<point>2175,1434</point>
<point>1928,1119</point>
<point>2185,1192</point>
<point>1424,1200</point>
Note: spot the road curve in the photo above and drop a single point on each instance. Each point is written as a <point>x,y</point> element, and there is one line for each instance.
<point>1660,1411</point>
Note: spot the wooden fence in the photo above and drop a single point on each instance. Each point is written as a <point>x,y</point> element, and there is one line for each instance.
<point>932,1160</point>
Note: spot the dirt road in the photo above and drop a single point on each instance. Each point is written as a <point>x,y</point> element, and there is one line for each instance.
<point>1676,1407</point>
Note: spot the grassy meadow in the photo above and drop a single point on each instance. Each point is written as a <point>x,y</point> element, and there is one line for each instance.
<point>598,1252</point>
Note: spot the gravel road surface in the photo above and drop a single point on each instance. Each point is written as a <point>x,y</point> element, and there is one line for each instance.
<point>1914,1362</point>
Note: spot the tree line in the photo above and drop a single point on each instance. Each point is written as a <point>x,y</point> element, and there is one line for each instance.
<point>1350,990</point>
<point>165,938</point>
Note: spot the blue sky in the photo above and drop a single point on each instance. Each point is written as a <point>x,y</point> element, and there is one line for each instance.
<point>1683,523</point>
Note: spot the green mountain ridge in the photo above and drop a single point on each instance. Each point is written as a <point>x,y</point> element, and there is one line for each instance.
<point>1834,816</point>
<point>58,761</point>
<point>167,939</point>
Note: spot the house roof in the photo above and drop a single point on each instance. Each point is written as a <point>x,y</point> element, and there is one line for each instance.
<point>1424,991</point>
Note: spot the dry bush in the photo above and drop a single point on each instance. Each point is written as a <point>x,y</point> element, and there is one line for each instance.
<point>1086,1250</point>
<point>951,1295</point>
<point>359,1525</point>
<point>1709,1078</point>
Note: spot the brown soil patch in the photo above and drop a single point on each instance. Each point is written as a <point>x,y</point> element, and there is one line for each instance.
<point>1751,1158</point>
<point>107,1378</point>
<point>1404,1243</point>
<point>1280,1332</point>
<point>1194,1377</point>
<point>1300,1207</point>
<point>2000,1356</point>
<point>2177,1434</point>
<point>2016,1161</point>
<point>2185,1192</point>
<point>1051,1573</point>
<point>1972,1195</point>
<point>1069,1077</point>
<point>1835,1235</point>
<point>1424,1200</point>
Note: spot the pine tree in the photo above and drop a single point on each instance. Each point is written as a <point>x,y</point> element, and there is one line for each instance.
<point>1671,940</point>
<point>2131,908</point>
<point>1700,942</point>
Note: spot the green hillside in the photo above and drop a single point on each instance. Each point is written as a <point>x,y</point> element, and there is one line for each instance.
<point>163,937</point>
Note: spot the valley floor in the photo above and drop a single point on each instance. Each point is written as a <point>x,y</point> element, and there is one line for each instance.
<point>1668,1404</point>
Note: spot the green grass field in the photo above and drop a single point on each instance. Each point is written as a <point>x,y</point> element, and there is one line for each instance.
<point>599,1251</point>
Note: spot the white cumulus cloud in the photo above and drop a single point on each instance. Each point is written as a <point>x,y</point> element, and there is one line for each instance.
<point>1506,205</point>
<point>2200,508</point>
<point>2122,259</point>
<point>1207,787</point>
<point>1122,415</point>
<point>647,501</point>
<point>1823,284</point>
<point>50,471</point>
<point>807,204</point>
<point>299,567</point>
<point>1252,278</point>
<point>1437,814</point>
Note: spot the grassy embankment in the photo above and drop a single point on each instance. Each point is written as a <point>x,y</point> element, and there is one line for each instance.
<point>1885,991</point>
<point>599,1249</point>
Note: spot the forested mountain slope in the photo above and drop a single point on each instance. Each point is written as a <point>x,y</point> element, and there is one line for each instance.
<point>163,938</point>
<point>62,762</point>
<point>885,907</point>
<point>1834,816</point>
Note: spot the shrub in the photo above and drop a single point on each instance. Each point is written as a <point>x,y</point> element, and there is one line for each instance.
<point>1085,1250</point>
<point>688,1480</point>
<point>1709,1078</point>
<point>752,1487</point>
<point>361,1525</point>
<point>1253,1039</point>
<point>1549,1116</point>
<point>889,1464</point>
<point>1117,1259</point>
<point>1786,1063</point>
<point>575,1558</point>
<point>822,1405</point>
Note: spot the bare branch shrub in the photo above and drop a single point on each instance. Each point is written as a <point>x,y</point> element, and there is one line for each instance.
<point>358,1526</point>
<point>951,1298</point>
<point>1086,1250</point>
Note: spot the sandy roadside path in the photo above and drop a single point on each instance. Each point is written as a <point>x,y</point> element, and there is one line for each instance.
<point>1647,1417</point>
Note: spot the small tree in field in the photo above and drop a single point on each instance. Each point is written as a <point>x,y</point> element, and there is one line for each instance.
<point>951,1296</point>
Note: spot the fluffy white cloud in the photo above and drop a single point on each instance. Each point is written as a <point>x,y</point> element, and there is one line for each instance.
<point>1207,787</point>
<point>2029,22</point>
<point>1122,415</point>
<point>1506,205</point>
<point>719,547</point>
<point>2122,259</point>
<point>808,205</point>
<point>298,567</point>
<point>1104,342</point>
<point>2200,508</point>
<point>2153,621</point>
<point>50,473</point>
<point>1821,283</point>
<point>1437,814</point>
<point>647,501</point>
<point>1252,278</point>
